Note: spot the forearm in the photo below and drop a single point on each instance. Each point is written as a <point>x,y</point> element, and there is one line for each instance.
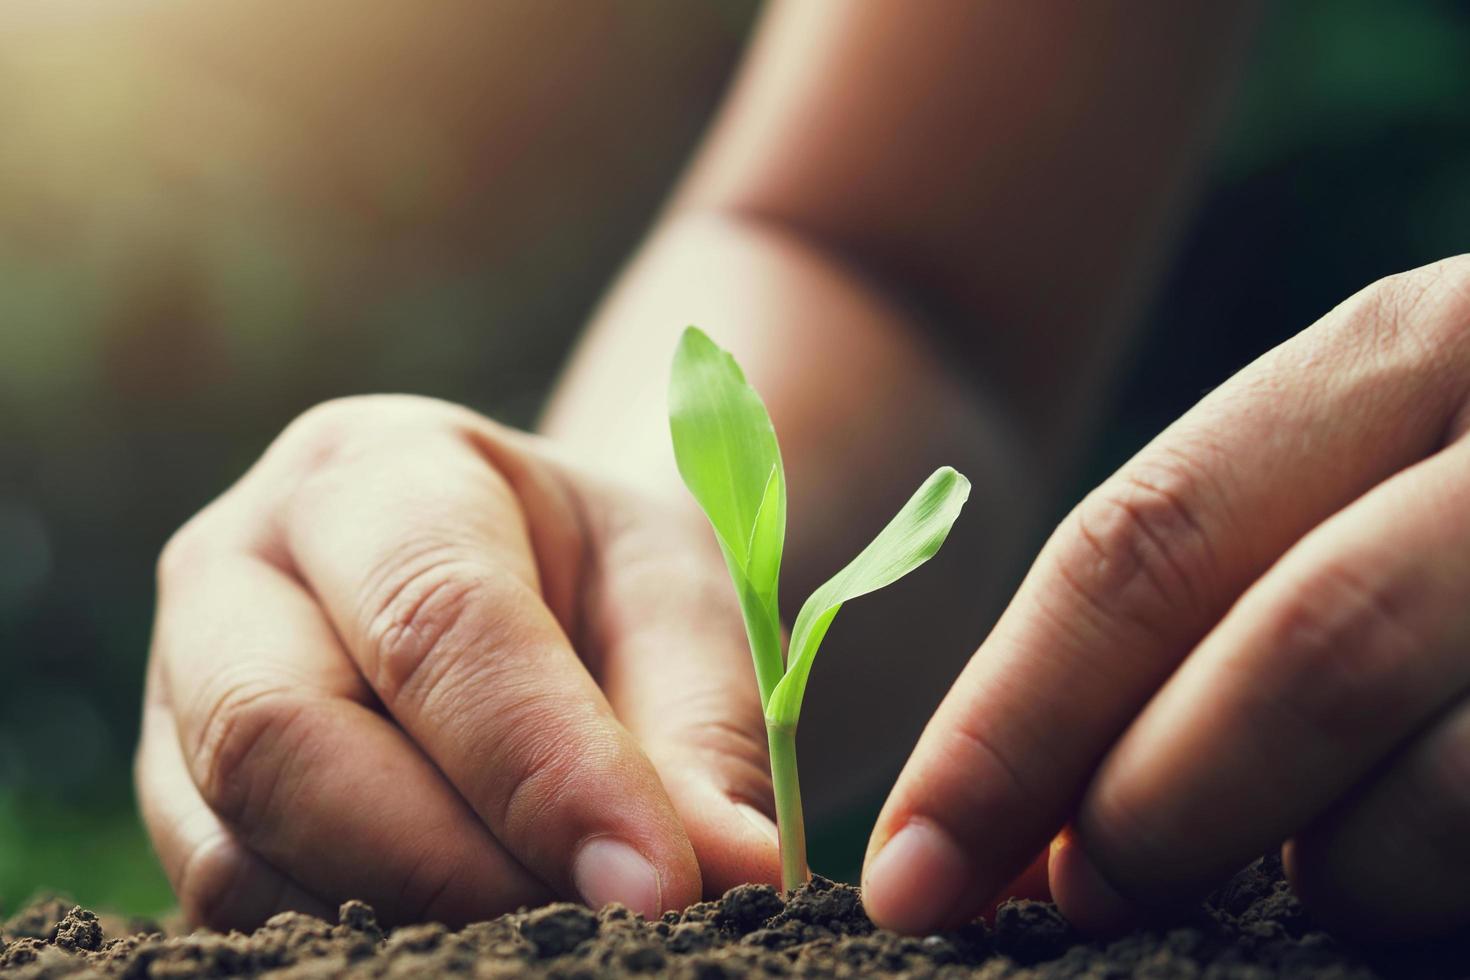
<point>887,178</point>
<point>864,406</point>
<point>1015,170</point>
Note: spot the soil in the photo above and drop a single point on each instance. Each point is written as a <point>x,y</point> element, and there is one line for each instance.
<point>1252,929</point>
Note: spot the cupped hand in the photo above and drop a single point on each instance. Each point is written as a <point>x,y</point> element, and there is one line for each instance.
<point>416,658</point>
<point>1256,632</point>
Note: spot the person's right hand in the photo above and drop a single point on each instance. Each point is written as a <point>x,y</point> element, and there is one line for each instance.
<point>415,658</point>
<point>1255,632</point>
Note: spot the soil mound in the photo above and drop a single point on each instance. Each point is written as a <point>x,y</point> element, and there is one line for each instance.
<point>1252,929</point>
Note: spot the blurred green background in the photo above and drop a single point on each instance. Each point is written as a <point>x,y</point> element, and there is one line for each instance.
<point>214,216</point>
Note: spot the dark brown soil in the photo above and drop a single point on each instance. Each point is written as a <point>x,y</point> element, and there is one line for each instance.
<point>1253,929</point>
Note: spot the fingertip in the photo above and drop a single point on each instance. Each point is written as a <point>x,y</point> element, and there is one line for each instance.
<point>915,881</point>
<point>1084,894</point>
<point>637,854</point>
<point>680,878</point>
<point>607,870</point>
<point>725,811</point>
<point>735,841</point>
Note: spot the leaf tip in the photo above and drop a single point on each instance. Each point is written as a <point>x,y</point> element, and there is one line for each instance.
<point>961,482</point>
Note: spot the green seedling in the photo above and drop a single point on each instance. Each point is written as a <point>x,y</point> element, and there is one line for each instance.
<point>729,458</point>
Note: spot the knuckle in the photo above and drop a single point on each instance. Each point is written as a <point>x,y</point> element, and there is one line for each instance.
<point>738,744</point>
<point>335,416</point>
<point>431,606</point>
<point>235,759</point>
<point>186,550</point>
<point>1339,645</point>
<point>736,752</point>
<point>329,419</point>
<point>545,774</point>
<point>1139,546</point>
<point>1424,311</point>
<point>973,749</point>
<point>324,432</point>
<point>318,436</point>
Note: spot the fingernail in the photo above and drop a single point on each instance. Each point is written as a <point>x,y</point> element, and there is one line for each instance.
<point>608,870</point>
<point>1084,894</point>
<point>916,880</point>
<point>761,822</point>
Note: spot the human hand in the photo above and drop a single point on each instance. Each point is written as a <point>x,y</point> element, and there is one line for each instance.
<point>415,658</point>
<point>1257,631</point>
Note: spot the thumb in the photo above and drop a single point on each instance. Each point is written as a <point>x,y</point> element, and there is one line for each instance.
<point>677,670</point>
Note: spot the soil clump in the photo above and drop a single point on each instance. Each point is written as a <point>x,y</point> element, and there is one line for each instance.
<point>1252,929</point>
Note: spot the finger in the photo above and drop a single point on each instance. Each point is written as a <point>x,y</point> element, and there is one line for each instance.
<point>678,673</point>
<point>1140,571</point>
<point>274,724</point>
<point>427,571</point>
<point>1393,862</point>
<point>220,883</point>
<point>1349,644</point>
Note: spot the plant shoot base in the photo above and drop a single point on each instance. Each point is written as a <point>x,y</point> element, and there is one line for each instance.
<point>789,824</point>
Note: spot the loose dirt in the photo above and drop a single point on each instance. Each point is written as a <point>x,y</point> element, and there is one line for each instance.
<point>1252,929</point>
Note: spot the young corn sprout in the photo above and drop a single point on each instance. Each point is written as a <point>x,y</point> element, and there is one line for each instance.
<point>728,456</point>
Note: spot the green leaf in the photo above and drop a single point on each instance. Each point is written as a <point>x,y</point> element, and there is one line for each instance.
<point>766,535</point>
<point>910,539</point>
<point>727,453</point>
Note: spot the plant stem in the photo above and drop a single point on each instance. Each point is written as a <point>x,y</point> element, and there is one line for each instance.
<point>789,824</point>
<point>763,630</point>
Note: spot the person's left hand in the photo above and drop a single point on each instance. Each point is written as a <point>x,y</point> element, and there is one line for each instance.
<point>1257,631</point>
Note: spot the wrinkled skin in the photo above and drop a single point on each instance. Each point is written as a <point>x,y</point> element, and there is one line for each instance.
<point>420,659</point>
<point>413,657</point>
<point>1255,631</point>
